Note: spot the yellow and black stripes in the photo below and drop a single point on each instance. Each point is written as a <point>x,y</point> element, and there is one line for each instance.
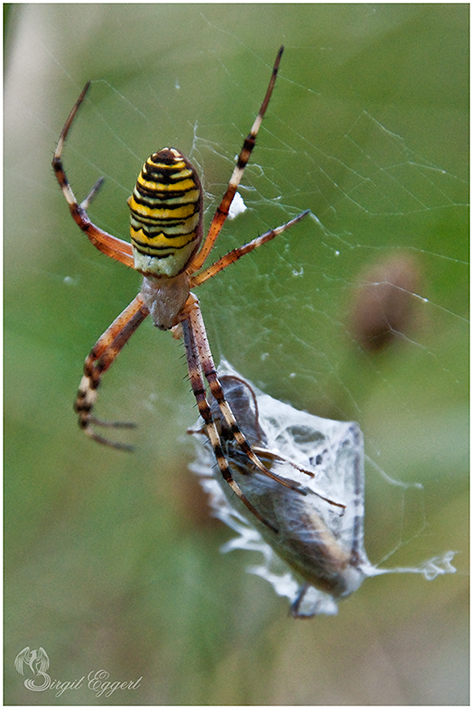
<point>166,214</point>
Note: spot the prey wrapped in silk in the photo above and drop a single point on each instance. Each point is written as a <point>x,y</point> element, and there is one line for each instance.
<point>311,539</point>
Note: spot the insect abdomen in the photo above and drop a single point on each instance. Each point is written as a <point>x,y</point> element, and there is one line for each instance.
<point>166,214</point>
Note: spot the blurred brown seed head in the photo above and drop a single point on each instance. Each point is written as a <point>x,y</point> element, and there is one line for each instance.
<point>384,303</point>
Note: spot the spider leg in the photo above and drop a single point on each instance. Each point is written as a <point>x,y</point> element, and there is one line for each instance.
<point>196,324</point>
<point>198,388</point>
<point>265,453</point>
<point>224,206</point>
<point>253,430</point>
<point>102,355</point>
<point>240,251</point>
<point>104,242</point>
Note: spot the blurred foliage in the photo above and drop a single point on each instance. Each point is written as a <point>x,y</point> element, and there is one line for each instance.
<point>111,560</point>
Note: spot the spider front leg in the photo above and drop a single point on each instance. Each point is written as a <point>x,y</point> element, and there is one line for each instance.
<point>198,388</point>
<point>197,346</point>
<point>102,355</point>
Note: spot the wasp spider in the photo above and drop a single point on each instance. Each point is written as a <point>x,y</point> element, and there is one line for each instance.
<point>166,233</point>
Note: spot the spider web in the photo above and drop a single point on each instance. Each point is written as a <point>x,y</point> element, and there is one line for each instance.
<point>388,205</point>
<point>293,326</point>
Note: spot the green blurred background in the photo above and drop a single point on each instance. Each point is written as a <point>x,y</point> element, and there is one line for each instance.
<point>112,561</point>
